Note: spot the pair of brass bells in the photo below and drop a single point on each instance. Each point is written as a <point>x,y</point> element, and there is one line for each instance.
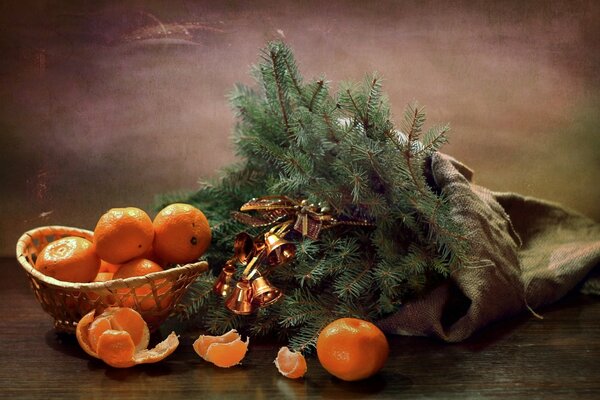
<point>253,290</point>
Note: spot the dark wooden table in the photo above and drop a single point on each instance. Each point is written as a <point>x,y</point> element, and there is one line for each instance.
<point>557,357</point>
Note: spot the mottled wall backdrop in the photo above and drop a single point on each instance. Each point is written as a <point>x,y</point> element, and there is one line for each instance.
<point>108,104</point>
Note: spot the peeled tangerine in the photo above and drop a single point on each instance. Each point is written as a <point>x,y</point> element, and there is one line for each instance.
<point>224,351</point>
<point>290,364</point>
<point>119,337</point>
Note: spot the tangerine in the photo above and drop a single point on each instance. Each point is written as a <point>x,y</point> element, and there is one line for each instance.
<point>182,233</point>
<point>141,267</point>
<point>70,259</point>
<point>119,337</point>
<point>223,351</point>
<point>122,234</point>
<point>352,349</point>
<point>290,364</point>
<point>105,266</point>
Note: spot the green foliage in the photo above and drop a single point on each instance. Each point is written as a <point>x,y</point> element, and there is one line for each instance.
<point>298,139</point>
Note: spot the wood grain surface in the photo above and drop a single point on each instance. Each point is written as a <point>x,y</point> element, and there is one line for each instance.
<point>524,357</point>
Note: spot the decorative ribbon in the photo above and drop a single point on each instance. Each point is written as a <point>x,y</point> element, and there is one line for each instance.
<point>308,219</point>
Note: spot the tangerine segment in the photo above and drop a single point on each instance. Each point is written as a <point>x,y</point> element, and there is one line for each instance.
<point>96,329</point>
<point>82,334</point>
<point>291,364</point>
<point>204,341</point>
<point>223,351</point>
<point>69,259</point>
<point>122,234</point>
<point>116,348</point>
<point>182,233</point>
<point>352,349</point>
<point>130,321</point>
<point>121,319</point>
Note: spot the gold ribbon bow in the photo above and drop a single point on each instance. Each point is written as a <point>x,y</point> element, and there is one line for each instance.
<point>309,219</point>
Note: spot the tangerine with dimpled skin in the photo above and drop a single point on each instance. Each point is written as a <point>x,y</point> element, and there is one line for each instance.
<point>352,349</point>
<point>181,234</point>
<point>141,267</point>
<point>122,234</point>
<point>69,259</point>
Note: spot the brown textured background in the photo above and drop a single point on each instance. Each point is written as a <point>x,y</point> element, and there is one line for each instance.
<point>105,104</point>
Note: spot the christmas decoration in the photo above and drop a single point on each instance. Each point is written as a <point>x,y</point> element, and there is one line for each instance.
<point>271,249</point>
<point>343,155</point>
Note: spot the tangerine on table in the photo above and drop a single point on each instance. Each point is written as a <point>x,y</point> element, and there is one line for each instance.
<point>290,364</point>
<point>182,233</point>
<point>122,234</point>
<point>141,267</point>
<point>70,259</point>
<point>352,349</point>
<point>119,337</point>
<point>223,351</point>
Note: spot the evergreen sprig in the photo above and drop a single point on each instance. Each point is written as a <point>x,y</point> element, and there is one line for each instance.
<point>299,139</point>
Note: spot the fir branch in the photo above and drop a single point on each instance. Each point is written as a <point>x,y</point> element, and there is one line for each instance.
<point>297,139</point>
<point>373,101</point>
<point>274,55</point>
<point>414,118</point>
<point>434,138</point>
<point>354,281</point>
<point>318,90</point>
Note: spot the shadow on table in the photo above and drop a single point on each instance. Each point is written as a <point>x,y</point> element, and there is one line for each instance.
<point>369,388</point>
<point>65,343</point>
<point>574,302</point>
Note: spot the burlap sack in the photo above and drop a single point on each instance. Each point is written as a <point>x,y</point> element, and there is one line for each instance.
<point>529,253</point>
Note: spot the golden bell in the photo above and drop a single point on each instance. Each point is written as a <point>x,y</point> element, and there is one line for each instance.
<point>279,251</point>
<point>240,300</point>
<point>223,284</point>
<point>243,246</point>
<point>263,292</point>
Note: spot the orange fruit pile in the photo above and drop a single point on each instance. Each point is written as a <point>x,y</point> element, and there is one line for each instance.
<point>119,337</point>
<point>352,349</point>
<point>127,236</point>
<point>223,351</point>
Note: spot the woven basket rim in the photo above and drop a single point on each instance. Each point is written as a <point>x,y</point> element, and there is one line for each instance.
<point>27,237</point>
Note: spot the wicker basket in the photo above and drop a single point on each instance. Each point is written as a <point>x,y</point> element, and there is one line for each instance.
<point>67,302</point>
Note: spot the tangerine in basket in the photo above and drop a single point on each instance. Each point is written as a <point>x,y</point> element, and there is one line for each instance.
<point>119,337</point>
<point>145,299</point>
<point>181,234</point>
<point>223,351</point>
<point>290,364</point>
<point>122,234</point>
<point>105,266</point>
<point>108,298</point>
<point>352,349</point>
<point>103,277</point>
<point>70,259</point>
